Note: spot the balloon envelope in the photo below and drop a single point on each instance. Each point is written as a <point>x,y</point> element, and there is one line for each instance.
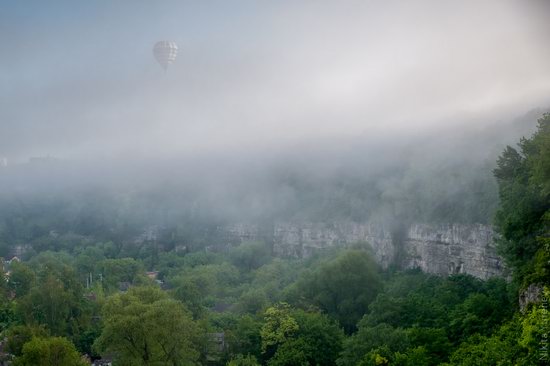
<point>165,53</point>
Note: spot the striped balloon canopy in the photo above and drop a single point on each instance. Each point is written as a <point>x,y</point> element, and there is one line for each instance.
<point>165,53</point>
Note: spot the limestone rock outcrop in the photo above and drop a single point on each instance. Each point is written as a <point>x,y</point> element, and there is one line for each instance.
<point>439,249</point>
<point>531,295</point>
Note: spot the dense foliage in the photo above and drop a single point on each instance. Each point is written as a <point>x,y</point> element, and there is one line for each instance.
<point>523,218</point>
<point>91,285</point>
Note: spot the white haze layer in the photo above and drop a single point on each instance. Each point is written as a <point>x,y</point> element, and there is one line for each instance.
<point>78,79</point>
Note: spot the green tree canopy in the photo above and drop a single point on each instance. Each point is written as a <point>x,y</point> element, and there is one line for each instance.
<point>342,287</point>
<point>145,327</point>
<point>523,217</point>
<point>54,351</point>
<point>297,337</point>
<point>250,255</point>
<point>21,278</point>
<point>55,300</point>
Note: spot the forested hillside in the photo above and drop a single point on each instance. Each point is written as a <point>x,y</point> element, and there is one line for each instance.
<point>274,183</point>
<point>443,177</point>
<point>83,281</point>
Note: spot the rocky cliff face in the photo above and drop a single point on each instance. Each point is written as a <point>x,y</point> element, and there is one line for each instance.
<point>530,295</point>
<point>441,249</point>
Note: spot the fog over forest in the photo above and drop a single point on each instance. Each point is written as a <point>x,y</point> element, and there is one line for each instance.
<point>302,110</point>
<point>443,176</point>
<point>274,183</point>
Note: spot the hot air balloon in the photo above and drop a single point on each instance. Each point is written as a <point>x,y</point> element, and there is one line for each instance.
<point>165,53</point>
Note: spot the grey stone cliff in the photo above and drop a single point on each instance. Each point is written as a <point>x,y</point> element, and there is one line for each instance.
<point>438,249</point>
<point>530,295</point>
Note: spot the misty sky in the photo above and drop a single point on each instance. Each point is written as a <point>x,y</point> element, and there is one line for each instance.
<point>78,78</point>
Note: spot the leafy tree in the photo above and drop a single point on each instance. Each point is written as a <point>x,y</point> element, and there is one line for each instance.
<point>368,339</point>
<point>481,350</point>
<point>293,351</point>
<point>381,356</point>
<point>399,346</point>
<point>202,285</point>
<point>279,325</point>
<point>244,337</point>
<point>192,294</point>
<point>85,340</point>
<point>18,335</point>
<point>428,345</point>
<point>54,304</point>
<point>241,360</point>
<point>145,327</point>
<point>170,263</point>
<point>55,351</point>
<point>21,278</point>
<point>273,277</point>
<point>467,303</point>
<point>535,327</point>
<point>417,356</point>
<point>252,301</point>
<point>321,336</point>
<point>477,314</point>
<point>120,270</point>
<point>88,261</point>
<point>503,347</point>
<point>7,314</point>
<point>297,337</point>
<point>250,255</point>
<point>201,258</point>
<point>413,309</point>
<point>523,216</point>
<point>343,287</point>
